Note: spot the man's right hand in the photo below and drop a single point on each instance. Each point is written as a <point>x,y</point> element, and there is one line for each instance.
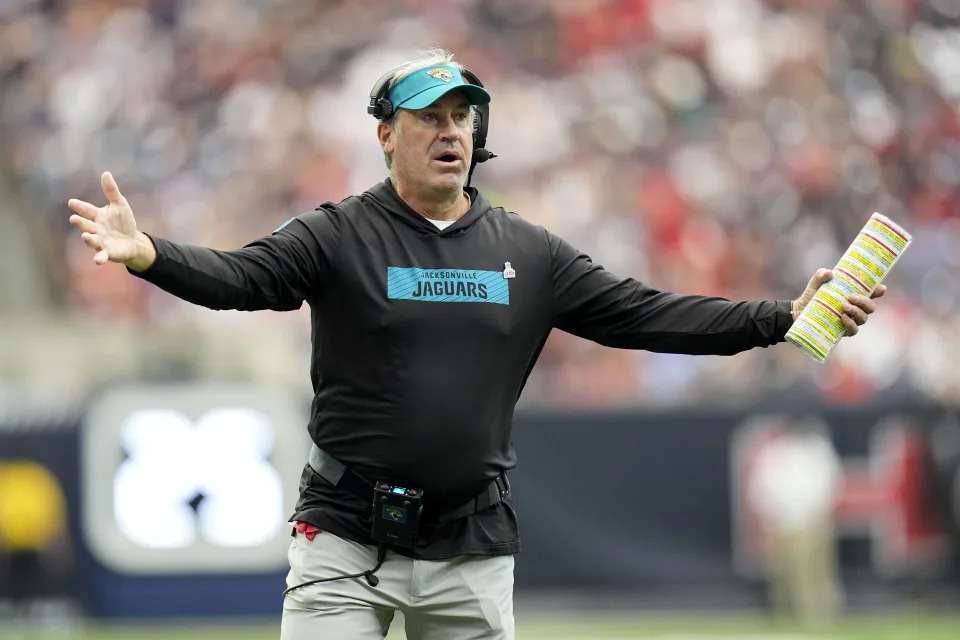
<point>111,231</point>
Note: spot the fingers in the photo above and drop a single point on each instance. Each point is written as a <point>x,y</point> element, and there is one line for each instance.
<point>866,305</point>
<point>850,325</point>
<point>856,313</point>
<point>85,209</point>
<point>85,220</point>
<point>92,240</point>
<point>821,276</point>
<point>855,309</point>
<point>111,190</point>
<point>83,224</point>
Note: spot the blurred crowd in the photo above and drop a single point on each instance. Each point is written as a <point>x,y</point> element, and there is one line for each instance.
<point>721,147</point>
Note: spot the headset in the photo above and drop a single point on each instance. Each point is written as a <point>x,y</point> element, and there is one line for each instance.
<point>382,109</point>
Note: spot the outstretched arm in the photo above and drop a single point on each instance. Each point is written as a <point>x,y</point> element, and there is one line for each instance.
<point>275,272</point>
<point>593,303</point>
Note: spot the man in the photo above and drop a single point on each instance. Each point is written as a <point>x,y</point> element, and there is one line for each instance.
<point>429,310</point>
<point>792,492</point>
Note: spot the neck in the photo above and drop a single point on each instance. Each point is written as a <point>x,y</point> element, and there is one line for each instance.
<point>449,205</point>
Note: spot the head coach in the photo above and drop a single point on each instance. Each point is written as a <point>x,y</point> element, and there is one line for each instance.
<point>429,309</point>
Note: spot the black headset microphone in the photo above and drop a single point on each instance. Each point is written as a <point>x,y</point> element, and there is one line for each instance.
<point>382,109</point>
<point>482,155</point>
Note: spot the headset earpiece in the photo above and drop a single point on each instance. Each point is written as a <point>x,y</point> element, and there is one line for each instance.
<point>384,109</point>
<point>380,106</point>
<point>482,114</point>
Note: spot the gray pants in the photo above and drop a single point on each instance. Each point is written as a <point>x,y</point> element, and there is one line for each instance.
<point>463,598</point>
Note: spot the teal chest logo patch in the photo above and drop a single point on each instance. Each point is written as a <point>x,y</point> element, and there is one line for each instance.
<point>447,285</point>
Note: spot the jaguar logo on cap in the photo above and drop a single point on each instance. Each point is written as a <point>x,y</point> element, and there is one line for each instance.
<point>441,74</point>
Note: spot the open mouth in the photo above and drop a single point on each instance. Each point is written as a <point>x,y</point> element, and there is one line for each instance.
<point>448,159</point>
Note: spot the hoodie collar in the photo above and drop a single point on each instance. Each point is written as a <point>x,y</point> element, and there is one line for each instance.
<point>387,197</point>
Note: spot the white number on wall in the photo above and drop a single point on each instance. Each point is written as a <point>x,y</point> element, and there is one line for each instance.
<point>210,478</point>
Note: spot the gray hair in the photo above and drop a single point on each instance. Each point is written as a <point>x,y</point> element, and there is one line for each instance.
<point>427,58</point>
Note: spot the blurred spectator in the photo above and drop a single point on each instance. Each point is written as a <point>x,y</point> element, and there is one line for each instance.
<point>793,492</point>
<point>724,147</point>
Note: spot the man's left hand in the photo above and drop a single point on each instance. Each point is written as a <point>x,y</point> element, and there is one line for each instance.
<point>855,309</point>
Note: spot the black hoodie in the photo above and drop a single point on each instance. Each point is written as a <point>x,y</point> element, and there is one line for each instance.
<point>423,340</point>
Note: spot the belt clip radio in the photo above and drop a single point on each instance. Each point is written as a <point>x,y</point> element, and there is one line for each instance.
<point>396,514</point>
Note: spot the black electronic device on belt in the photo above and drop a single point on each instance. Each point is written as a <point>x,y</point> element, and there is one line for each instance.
<point>396,509</point>
<point>396,514</point>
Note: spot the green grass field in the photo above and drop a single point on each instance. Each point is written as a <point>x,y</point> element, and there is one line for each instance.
<point>596,626</point>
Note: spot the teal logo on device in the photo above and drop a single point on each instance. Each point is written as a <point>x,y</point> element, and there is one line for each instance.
<point>447,285</point>
<point>394,514</point>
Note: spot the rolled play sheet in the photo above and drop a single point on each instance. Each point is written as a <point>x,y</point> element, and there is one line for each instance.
<point>862,268</point>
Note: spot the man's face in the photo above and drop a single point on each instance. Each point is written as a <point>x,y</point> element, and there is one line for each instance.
<point>432,150</point>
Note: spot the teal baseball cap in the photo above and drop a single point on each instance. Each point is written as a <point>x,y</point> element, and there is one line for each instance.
<point>425,86</point>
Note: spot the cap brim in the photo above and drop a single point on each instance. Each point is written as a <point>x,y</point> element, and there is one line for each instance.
<point>473,94</point>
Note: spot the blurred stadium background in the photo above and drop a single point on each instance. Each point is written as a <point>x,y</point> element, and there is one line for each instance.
<point>725,147</point>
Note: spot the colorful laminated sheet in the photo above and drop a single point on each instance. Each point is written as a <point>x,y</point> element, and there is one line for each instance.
<point>862,268</point>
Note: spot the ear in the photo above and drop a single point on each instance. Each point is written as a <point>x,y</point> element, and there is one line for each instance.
<point>387,136</point>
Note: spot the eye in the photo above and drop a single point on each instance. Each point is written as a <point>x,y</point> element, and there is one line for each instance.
<point>429,117</point>
<point>463,117</point>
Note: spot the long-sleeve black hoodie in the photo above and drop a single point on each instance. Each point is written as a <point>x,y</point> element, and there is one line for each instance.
<point>423,340</point>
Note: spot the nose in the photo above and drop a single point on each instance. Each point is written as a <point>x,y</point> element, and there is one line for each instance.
<point>449,131</point>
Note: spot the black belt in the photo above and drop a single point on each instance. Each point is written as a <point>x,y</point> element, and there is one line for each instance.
<point>340,475</point>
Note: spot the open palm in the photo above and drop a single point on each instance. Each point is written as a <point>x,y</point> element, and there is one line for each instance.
<point>110,230</point>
